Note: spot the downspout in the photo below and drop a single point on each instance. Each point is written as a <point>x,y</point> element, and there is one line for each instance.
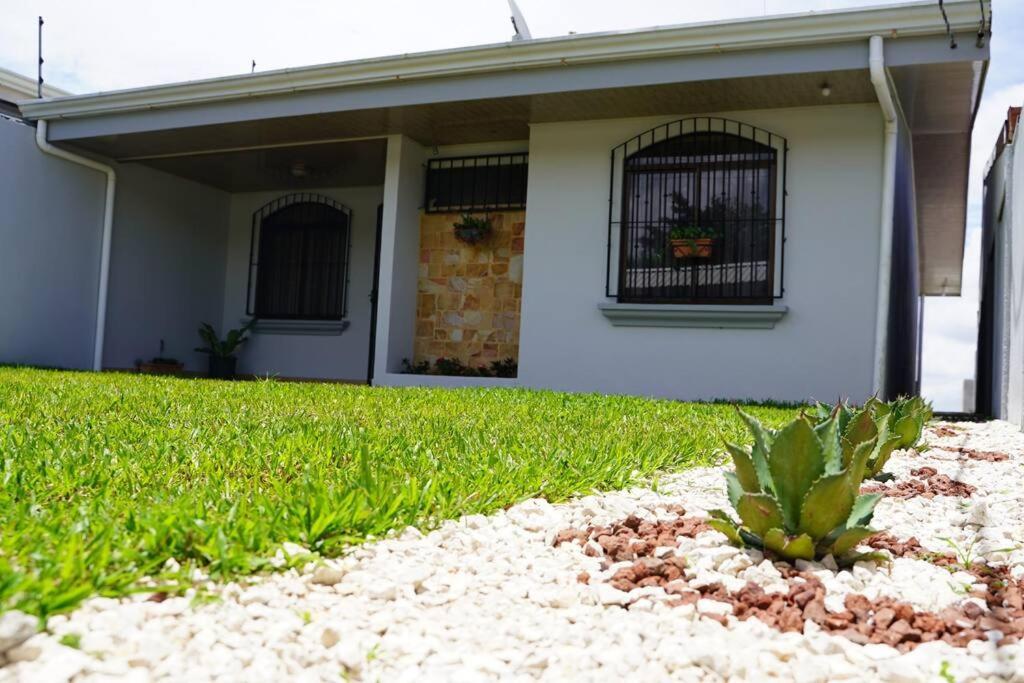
<point>879,79</point>
<point>108,225</point>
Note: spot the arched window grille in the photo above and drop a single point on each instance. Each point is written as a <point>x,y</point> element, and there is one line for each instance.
<point>696,214</point>
<point>298,259</point>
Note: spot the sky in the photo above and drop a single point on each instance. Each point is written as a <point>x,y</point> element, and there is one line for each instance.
<point>110,44</point>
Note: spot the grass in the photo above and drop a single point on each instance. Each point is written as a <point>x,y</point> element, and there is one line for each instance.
<point>106,476</point>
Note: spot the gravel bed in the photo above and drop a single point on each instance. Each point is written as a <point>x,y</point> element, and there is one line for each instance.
<point>495,598</point>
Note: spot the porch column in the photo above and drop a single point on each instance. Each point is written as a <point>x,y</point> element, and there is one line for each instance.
<point>404,179</point>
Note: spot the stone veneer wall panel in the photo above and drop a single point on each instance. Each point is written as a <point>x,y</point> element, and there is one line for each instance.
<point>469,295</point>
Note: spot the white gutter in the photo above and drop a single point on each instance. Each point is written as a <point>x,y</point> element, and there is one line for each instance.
<point>108,225</point>
<point>880,80</point>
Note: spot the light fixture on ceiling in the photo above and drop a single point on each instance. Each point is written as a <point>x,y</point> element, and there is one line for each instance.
<point>826,90</point>
<point>299,170</point>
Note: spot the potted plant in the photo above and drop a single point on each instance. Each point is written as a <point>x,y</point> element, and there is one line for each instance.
<point>473,229</point>
<point>222,351</point>
<point>692,241</point>
<point>160,365</point>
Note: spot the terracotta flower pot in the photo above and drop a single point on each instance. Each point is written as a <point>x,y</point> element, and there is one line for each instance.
<point>692,248</point>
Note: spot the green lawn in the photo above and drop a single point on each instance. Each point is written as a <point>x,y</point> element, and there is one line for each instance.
<point>106,476</point>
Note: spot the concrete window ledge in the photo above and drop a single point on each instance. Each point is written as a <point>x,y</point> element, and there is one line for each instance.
<point>306,327</point>
<point>685,315</point>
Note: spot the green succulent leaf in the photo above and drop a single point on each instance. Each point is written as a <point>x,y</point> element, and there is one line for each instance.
<point>759,512</point>
<point>745,473</point>
<point>863,509</point>
<point>827,505</point>
<point>721,522</point>
<point>861,428</point>
<point>733,489</point>
<point>828,432</point>
<point>789,547</point>
<point>763,439</point>
<point>796,460</point>
<point>880,455</point>
<point>908,428</point>
<point>858,465</point>
<point>849,539</point>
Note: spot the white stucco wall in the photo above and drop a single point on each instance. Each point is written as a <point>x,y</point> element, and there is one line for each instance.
<point>166,266</point>
<point>329,356</point>
<point>822,348</point>
<point>51,219</point>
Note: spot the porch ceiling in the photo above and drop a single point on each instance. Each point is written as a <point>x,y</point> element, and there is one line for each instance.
<point>350,163</point>
<point>496,119</point>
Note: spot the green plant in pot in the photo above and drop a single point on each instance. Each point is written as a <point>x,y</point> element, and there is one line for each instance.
<point>797,493</point>
<point>223,360</point>
<point>473,229</point>
<point>692,241</point>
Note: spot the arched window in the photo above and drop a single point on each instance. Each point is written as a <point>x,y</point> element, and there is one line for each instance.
<point>299,259</point>
<point>699,211</point>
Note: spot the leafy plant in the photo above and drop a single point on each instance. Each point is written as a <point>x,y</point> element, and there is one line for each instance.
<point>796,491</point>
<point>473,229</point>
<point>223,348</point>
<point>507,367</point>
<point>692,232</point>
<point>453,367</point>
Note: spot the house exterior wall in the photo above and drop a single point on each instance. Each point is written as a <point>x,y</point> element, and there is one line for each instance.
<point>305,354</point>
<point>51,220</point>
<point>167,257</point>
<point>823,346</point>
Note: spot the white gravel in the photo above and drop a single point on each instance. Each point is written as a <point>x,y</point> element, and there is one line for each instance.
<point>491,598</point>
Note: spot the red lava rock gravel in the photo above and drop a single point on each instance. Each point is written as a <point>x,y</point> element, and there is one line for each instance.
<point>882,620</point>
<point>929,483</point>
<point>633,537</point>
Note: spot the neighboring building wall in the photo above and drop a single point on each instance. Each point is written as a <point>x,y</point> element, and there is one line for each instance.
<point>469,295</point>
<point>166,266</point>
<point>51,220</point>
<point>1000,383</point>
<point>823,348</point>
<point>310,353</point>
<point>904,293</point>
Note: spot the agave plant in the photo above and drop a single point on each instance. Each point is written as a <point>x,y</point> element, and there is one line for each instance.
<point>796,490</point>
<point>857,425</point>
<point>907,417</point>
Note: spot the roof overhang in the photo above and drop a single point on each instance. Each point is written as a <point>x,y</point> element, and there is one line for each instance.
<point>494,92</point>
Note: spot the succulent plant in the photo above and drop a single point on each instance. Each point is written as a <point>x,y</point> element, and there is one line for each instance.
<point>856,425</point>
<point>907,417</point>
<point>797,490</point>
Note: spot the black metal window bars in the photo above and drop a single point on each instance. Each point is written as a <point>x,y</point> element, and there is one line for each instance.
<point>488,182</point>
<point>696,214</point>
<point>298,259</point>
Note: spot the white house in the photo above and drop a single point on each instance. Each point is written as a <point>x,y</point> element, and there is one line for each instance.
<point>823,156</point>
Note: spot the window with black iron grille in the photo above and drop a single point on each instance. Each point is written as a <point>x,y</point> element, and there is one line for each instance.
<point>298,265</point>
<point>489,182</point>
<point>696,214</point>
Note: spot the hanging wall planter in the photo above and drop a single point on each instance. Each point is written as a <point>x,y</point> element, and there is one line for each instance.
<point>472,229</point>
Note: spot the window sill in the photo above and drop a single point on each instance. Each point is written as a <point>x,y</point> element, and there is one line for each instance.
<point>706,316</point>
<point>299,327</point>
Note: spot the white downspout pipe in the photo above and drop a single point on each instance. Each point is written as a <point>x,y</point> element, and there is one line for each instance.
<point>876,61</point>
<point>108,225</point>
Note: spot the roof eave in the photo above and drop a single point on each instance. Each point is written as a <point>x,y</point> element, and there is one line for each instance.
<point>914,19</point>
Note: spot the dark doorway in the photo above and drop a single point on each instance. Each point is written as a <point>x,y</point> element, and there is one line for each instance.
<point>373,295</point>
